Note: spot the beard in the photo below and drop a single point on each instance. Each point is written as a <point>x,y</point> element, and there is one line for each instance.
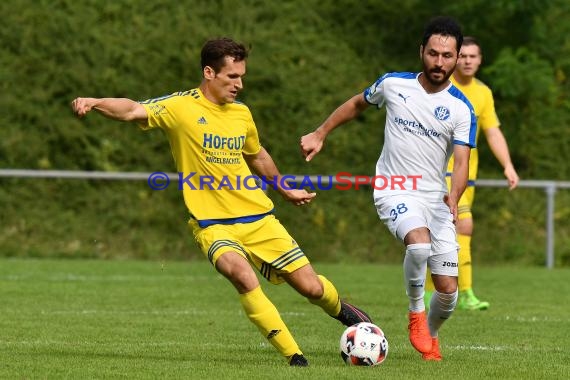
<point>437,81</point>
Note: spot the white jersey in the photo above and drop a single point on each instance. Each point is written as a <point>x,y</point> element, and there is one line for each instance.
<point>419,134</point>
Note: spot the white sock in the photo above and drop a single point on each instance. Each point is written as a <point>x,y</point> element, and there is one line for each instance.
<point>415,265</point>
<point>440,309</point>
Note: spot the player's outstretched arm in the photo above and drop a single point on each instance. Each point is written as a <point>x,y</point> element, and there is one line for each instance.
<point>500,149</point>
<point>263,165</point>
<point>312,143</point>
<point>122,109</point>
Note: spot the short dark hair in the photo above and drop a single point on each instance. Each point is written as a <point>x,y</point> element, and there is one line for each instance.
<point>215,50</point>
<point>470,40</point>
<point>446,26</point>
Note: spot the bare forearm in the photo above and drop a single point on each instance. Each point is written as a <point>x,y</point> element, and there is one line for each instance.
<point>264,166</point>
<point>343,114</point>
<point>460,173</point>
<point>459,178</point>
<point>116,108</point>
<point>312,143</point>
<point>499,147</point>
<point>122,109</point>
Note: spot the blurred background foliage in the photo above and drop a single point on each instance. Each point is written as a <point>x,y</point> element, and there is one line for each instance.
<point>307,57</point>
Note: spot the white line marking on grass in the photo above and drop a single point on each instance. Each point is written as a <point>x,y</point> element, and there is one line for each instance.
<point>533,319</point>
<point>479,348</point>
<point>293,313</point>
<point>516,348</point>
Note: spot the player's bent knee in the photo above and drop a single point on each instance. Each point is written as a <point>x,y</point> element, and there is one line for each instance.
<point>306,282</point>
<point>243,282</point>
<point>445,284</point>
<point>311,289</point>
<point>314,292</point>
<point>238,271</point>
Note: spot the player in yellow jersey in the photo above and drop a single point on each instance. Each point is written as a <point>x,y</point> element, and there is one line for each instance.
<point>483,103</point>
<point>215,146</point>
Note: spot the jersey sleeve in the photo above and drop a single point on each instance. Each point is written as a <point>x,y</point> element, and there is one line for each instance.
<point>161,112</point>
<point>374,94</point>
<point>465,132</point>
<point>488,117</point>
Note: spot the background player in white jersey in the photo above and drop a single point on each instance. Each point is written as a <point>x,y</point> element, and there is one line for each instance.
<point>427,120</point>
<point>213,136</point>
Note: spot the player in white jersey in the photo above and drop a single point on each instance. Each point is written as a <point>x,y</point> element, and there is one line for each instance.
<point>422,125</point>
<point>427,120</point>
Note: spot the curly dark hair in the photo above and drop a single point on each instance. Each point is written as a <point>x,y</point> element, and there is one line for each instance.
<point>446,26</point>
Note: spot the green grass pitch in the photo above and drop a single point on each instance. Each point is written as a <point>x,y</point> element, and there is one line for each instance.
<point>181,320</point>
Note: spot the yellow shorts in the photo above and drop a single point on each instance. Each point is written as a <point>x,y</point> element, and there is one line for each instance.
<point>466,200</point>
<point>265,243</point>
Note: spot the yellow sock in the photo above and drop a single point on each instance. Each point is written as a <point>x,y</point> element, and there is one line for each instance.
<point>265,316</point>
<point>330,301</point>
<point>429,286</point>
<point>465,280</point>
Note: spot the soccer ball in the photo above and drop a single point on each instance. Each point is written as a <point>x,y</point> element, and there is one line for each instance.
<point>363,344</point>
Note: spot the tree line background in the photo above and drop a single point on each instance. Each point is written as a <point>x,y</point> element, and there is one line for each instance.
<point>307,57</point>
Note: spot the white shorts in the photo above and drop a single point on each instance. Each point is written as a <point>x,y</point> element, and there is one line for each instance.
<point>403,213</point>
<point>446,264</point>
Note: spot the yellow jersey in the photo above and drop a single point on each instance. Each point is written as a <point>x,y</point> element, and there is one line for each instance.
<point>481,98</point>
<point>207,143</point>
